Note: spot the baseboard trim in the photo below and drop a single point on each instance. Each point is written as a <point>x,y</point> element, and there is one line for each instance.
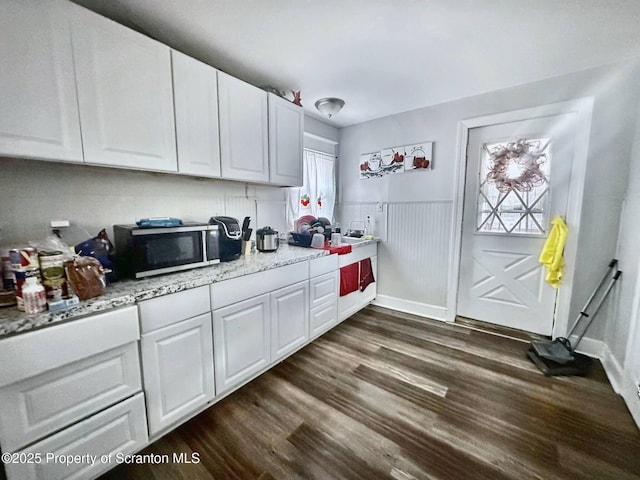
<point>408,306</point>
<point>622,383</point>
<point>630,395</point>
<point>592,348</point>
<point>613,369</point>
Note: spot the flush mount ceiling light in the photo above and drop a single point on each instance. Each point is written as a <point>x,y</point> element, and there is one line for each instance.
<point>329,106</point>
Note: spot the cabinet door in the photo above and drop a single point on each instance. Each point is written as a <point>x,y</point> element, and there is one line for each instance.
<point>125,95</point>
<point>286,129</point>
<point>195,88</point>
<point>177,366</point>
<point>244,134</point>
<point>39,116</point>
<point>289,319</point>
<point>241,341</point>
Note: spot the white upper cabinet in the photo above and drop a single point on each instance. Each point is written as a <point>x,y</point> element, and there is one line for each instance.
<point>195,89</point>
<point>286,129</point>
<point>124,94</point>
<point>39,113</point>
<point>244,136</point>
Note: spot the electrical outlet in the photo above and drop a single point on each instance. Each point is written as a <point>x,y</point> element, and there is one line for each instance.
<point>379,207</point>
<point>59,223</point>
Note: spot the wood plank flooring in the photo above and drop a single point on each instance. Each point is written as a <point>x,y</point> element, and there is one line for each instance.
<point>386,395</point>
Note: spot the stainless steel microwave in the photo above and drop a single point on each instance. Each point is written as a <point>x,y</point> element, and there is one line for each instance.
<point>143,252</point>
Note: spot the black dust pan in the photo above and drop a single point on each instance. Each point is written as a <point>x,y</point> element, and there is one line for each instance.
<point>559,356</point>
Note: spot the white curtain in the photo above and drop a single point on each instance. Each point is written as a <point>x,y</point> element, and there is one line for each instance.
<point>317,196</point>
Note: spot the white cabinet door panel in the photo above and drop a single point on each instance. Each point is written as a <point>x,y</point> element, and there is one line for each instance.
<point>119,430</point>
<point>286,129</point>
<point>323,317</point>
<point>125,95</point>
<point>177,363</point>
<point>289,319</point>
<point>40,405</point>
<point>195,87</point>
<point>241,338</point>
<point>39,116</point>
<point>323,289</point>
<point>244,135</point>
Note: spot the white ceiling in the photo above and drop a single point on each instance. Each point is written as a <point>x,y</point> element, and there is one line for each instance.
<point>388,56</point>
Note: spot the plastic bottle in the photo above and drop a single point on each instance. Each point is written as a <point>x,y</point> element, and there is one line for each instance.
<point>369,229</point>
<point>34,296</point>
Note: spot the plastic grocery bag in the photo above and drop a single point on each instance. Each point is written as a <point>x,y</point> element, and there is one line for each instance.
<point>86,277</point>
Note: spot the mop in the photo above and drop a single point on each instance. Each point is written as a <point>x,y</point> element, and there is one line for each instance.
<point>558,357</point>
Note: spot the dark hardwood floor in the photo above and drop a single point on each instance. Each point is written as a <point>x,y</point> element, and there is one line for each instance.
<point>386,395</point>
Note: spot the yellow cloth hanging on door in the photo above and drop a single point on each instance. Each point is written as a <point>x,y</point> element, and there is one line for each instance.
<point>551,255</point>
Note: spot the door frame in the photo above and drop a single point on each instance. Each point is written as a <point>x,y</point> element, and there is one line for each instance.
<point>583,108</point>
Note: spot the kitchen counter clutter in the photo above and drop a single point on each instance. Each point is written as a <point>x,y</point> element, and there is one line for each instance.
<point>119,371</point>
<point>128,292</point>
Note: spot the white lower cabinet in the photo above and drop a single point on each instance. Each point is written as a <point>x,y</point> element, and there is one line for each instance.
<point>72,389</point>
<point>323,294</point>
<point>98,441</point>
<point>177,363</point>
<point>289,319</point>
<point>241,341</point>
<point>54,377</point>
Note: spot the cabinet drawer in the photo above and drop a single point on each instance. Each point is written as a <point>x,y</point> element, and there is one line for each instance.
<point>323,289</point>
<point>238,289</point>
<point>24,356</point>
<point>323,317</point>
<point>175,307</point>
<point>357,254</point>
<point>119,430</point>
<point>39,405</point>
<point>322,265</point>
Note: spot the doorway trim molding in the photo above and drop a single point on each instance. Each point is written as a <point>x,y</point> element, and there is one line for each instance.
<point>582,108</point>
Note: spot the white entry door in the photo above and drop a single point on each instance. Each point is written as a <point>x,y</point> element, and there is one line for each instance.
<point>517,180</point>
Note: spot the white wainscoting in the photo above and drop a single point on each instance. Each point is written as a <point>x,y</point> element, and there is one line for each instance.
<point>413,255</point>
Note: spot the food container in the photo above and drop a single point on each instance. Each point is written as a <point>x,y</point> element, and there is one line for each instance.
<point>317,241</point>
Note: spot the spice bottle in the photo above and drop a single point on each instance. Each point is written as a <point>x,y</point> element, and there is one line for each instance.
<point>34,296</point>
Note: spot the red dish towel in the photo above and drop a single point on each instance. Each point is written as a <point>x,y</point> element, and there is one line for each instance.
<point>366,273</point>
<point>339,249</point>
<point>349,279</point>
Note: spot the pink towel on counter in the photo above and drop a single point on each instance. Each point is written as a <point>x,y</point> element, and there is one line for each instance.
<point>349,279</point>
<point>366,274</point>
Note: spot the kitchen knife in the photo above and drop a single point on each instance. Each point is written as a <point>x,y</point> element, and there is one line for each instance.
<point>246,235</point>
<point>245,224</point>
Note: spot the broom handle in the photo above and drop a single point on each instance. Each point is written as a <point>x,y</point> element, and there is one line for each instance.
<point>600,302</point>
<point>583,312</point>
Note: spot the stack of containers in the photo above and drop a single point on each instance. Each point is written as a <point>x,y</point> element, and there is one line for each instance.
<point>25,264</point>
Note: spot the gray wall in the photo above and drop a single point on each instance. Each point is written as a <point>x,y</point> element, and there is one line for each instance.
<point>35,192</point>
<point>613,88</point>
<point>621,312</point>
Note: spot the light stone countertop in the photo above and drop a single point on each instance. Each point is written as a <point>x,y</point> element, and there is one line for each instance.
<point>128,292</point>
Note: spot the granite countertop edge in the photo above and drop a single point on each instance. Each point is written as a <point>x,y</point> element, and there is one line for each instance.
<point>129,292</point>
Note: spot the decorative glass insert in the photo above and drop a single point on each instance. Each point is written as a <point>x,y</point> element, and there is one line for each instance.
<point>514,187</point>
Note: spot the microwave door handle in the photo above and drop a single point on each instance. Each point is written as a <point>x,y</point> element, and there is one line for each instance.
<point>205,255</point>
